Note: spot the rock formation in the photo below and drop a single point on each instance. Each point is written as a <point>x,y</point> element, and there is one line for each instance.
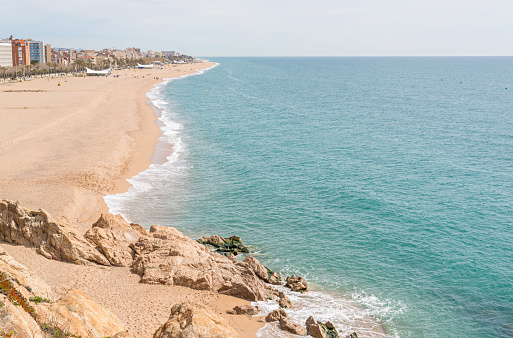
<point>284,301</point>
<point>27,307</point>
<point>232,245</point>
<point>188,320</point>
<point>243,310</point>
<point>166,256</point>
<point>80,315</point>
<point>113,235</point>
<point>287,325</point>
<point>321,330</point>
<point>297,283</point>
<point>52,239</point>
<point>276,315</point>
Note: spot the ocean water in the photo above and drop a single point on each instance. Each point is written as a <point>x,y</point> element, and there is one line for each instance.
<point>386,182</point>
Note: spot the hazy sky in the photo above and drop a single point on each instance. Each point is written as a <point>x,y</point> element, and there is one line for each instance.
<point>267,28</point>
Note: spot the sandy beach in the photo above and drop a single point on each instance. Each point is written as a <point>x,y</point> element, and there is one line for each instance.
<point>65,143</point>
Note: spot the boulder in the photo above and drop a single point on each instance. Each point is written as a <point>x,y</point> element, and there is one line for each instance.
<point>265,274</point>
<point>166,256</point>
<point>297,283</point>
<point>52,239</point>
<point>112,244</point>
<point>321,330</point>
<point>193,320</point>
<point>112,236</point>
<point>353,335</point>
<point>79,315</point>
<point>230,246</point>
<point>276,315</point>
<point>284,301</point>
<point>243,310</point>
<point>294,328</point>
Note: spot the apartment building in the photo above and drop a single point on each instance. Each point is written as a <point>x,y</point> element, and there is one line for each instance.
<point>37,51</point>
<point>5,53</point>
<point>20,53</point>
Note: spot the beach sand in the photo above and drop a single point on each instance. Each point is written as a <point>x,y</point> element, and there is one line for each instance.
<point>63,147</point>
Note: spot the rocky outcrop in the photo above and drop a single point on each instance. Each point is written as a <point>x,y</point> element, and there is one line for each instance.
<point>27,307</point>
<point>276,315</point>
<point>321,330</point>
<point>265,274</point>
<point>113,235</point>
<point>16,320</point>
<point>52,239</point>
<point>30,284</point>
<point>232,246</point>
<point>192,320</point>
<point>284,301</point>
<point>243,310</point>
<point>166,256</point>
<point>79,315</point>
<point>297,283</point>
<point>287,325</point>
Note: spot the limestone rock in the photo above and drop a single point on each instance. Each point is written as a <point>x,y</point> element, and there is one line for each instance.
<point>297,283</point>
<point>284,301</point>
<point>276,315</point>
<point>14,319</point>
<point>166,256</point>
<point>287,325</point>
<point>191,320</point>
<point>52,239</point>
<point>78,314</point>
<point>244,310</point>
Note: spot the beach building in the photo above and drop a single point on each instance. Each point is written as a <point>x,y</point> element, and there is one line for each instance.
<point>5,53</point>
<point>61,57</point>
<point>168,54</point>
<point>37,51</point>
<point>20,53</point>
<point>48,53</point>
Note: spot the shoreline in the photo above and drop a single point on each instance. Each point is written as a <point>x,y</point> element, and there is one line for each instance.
<point>67,142</point>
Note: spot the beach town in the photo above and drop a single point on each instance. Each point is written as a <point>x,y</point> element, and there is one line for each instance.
<point>24,58</point>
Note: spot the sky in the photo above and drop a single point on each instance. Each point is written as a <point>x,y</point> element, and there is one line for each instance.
<point>269,28</point>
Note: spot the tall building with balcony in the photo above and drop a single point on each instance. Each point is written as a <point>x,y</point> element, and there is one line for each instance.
<point>5,53</point>
<point>20,53</point>
<point>37,51</point>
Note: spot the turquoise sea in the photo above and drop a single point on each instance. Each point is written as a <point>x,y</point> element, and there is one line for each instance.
<point>386,182</point>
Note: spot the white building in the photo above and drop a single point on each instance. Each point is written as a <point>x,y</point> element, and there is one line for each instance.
<point>5,53</point>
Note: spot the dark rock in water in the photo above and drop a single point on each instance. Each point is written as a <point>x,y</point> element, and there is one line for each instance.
<point>232,245</point>
<point>297,283</point>
<point>276,315</point>
<point>353,335</point>
<point>243,310</point>
<point>288,325</point>
<point>321,330</point>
